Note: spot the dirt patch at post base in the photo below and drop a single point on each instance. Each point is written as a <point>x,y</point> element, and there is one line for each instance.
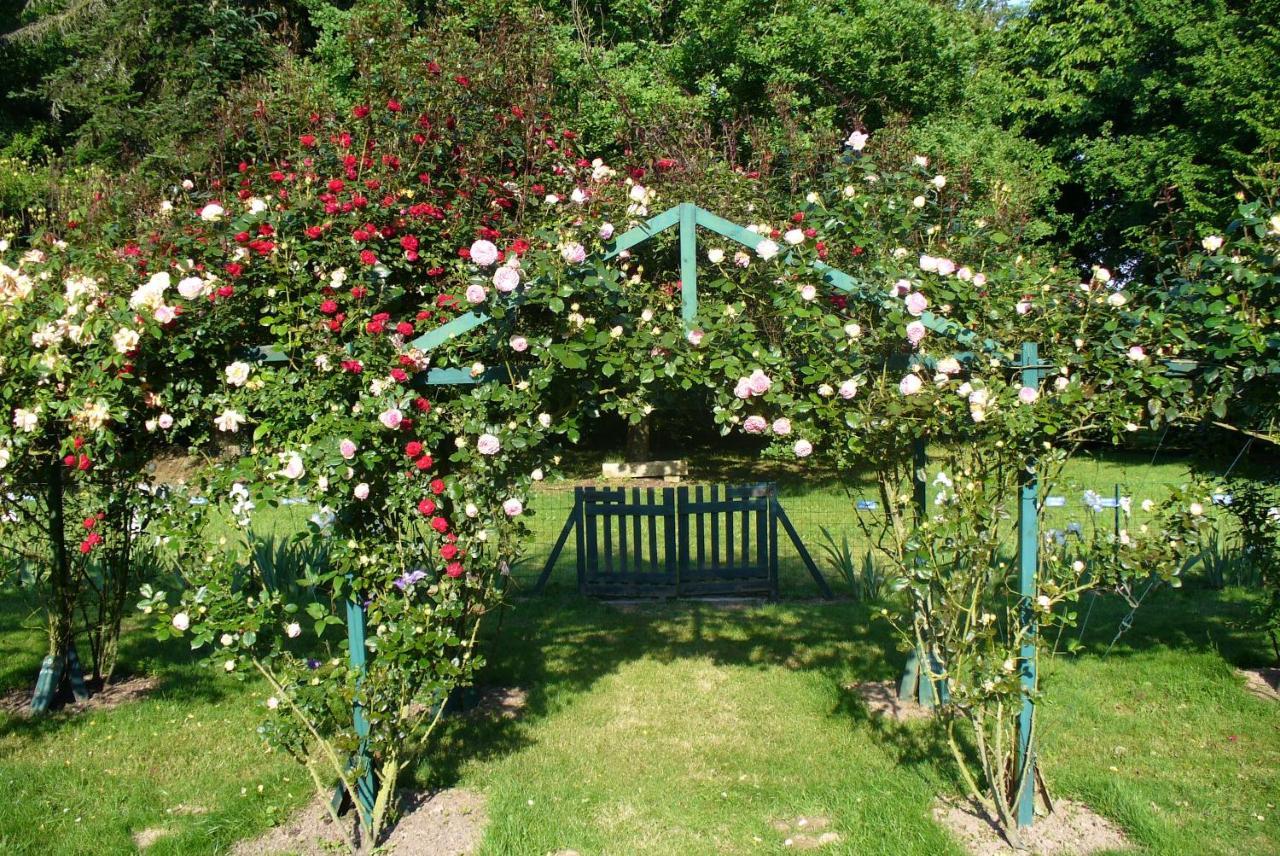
<point>1264,683</point>
<point>18,702</point>
<point>445,823</point>
<point>1073,829</point>
<point>881,699</point>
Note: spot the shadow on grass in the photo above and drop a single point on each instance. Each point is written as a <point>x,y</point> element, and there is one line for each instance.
<point>559,645</point>
<point>556,647</point>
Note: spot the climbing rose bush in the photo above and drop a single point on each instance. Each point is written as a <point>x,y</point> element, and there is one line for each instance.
<point>98,371</point>
<point>335,253</point>
<point>920,344</point>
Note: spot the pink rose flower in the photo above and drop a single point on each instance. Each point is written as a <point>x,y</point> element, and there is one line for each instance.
<point>946,267</point>
<point>759,382</point>
<point>574,253</point>
<point>506,279</point>
<point>484,253</point>
<point>476,294</point>
<point>915,333</point>
<point>361,491</point>
<point>755,425</point>
<point>910,385</point>
<point>519,344</point>
<point>391,418</point>
<point>742,389</point>
<point>606,231</point>
<point>694,337</point>
<point>782,426</point>
<point>347,448</point>
<point>488,444</point>
<point>513,507</point>
<point>803,448</point>
<point>916,303</point>
<point>1028,394</point>
<point>848,390</point>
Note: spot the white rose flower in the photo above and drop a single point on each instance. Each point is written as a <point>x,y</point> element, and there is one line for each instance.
<point>26,420</point>
<point>229,421</point>
<point>126,340</point>
<point>181,621</point>
<point>212,212</point>
<point>238,373</point>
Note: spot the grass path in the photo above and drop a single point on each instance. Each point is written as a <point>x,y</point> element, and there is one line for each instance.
<point>680,729</point>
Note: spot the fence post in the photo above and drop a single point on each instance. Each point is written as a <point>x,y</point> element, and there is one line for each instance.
<point>688,263</point>
<point>1028,561</point>
<point>916,684</point>
<point>366,789</point>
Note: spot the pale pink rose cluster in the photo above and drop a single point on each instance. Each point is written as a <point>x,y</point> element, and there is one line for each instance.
<point>935,264</point>
<point>756,424</point>
<point>756,383</point>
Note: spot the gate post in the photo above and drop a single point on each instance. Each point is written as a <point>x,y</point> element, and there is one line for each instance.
<point>1028,566</point>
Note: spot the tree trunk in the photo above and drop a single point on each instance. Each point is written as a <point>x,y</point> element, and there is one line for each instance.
<point>638,439</point>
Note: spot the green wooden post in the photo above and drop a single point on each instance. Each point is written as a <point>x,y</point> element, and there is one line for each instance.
<point>1028,561</point>
<point>915,684</point>
<point>688,263</point>
<point>366,788</point>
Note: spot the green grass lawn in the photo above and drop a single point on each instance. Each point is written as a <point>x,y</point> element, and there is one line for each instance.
<point>684,728</point>
<point>681,728</point>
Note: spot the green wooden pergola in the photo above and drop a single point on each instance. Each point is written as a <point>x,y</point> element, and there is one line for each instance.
<point>916,683</point>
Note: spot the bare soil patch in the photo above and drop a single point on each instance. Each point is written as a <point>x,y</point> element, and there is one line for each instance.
<point>881,699</point>
<point>501,703</point>
<point>146,837</point>
<point>1264,683</point>
<point>18,702</point>
<point>445,823</point>
<point>806,833</point>
<point>1073,829</point>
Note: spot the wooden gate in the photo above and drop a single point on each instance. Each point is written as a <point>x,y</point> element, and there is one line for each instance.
<point>676,542</point>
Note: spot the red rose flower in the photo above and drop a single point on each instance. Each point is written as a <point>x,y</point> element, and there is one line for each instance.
<point>360,111</point>
<point>426,507</point>
<point>368,257</point>
<point>437,486</point>
<point>424,463</point>
<point>454,570</point>
<point>449,552</point>
<point>413,449</point>
<point>440,524</point>
<point>307,140</point>
<point>329,307</point>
